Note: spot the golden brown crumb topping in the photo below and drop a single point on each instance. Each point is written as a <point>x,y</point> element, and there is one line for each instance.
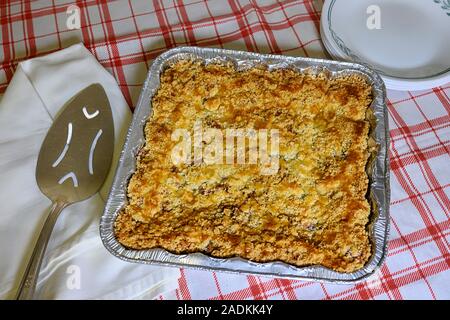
<point>312,211</point>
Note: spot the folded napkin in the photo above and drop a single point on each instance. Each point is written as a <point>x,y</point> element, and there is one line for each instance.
<point>76,265</point>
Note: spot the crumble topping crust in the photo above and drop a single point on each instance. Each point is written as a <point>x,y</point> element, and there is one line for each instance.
<point>312,211</point>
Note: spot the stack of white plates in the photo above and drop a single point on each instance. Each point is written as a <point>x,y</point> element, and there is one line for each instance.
<point>406,41</point>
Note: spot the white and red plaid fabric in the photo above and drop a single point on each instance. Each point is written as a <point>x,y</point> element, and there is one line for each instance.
<point>126,35</point>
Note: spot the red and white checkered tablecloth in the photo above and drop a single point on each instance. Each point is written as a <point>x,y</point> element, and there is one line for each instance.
<point>126,35</point>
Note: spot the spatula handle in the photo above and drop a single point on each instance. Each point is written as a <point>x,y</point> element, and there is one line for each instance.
<point>29,279</point>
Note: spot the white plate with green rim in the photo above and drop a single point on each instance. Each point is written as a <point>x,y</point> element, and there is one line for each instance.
<point>406,41</point>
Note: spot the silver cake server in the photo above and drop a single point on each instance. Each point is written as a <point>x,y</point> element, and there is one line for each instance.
<point>73,163</point>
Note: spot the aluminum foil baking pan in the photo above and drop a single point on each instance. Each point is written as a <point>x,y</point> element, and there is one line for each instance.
<point>378,169</point>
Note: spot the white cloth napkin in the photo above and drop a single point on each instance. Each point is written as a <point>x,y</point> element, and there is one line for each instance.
<point>76,265</point>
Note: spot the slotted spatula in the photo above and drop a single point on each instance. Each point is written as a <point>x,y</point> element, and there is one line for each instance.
<point>73,163</point>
